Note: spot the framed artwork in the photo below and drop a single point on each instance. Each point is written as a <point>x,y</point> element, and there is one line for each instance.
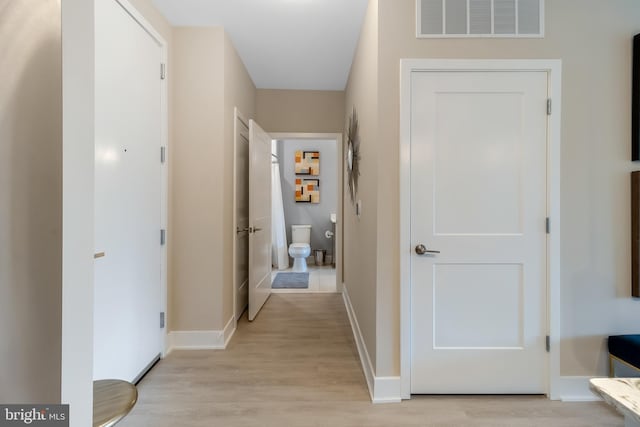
<point>307,190</point>
<point>307,163</point>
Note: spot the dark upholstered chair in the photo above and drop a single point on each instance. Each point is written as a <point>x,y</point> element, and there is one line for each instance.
<point>624,349</point>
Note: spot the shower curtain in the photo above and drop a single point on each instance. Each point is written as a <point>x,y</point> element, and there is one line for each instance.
<point>279,252</point>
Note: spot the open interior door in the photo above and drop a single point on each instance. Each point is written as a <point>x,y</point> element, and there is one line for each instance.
<point>259,218</point>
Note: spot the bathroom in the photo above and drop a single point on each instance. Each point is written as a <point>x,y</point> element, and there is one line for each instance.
<point>304,208</point>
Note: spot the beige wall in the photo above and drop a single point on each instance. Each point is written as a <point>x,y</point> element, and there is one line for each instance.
<point>197,166</point>
<point>209,81</point>
<point>30,201</point>
<point>360,238</point>
<point>593,39</point>
<point>239,91</point>
<point>311,111</point>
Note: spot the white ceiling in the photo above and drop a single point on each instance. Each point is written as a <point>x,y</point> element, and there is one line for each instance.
<point>285,44</point>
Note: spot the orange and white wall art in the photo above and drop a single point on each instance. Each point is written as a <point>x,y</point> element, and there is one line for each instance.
<point>307,190</point>
<point>307,163</point>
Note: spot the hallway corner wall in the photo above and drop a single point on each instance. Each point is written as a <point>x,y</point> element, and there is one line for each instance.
<point>197,179</point>
<point>31,202</point>
<point>360,233</point>
<point>210,80</point>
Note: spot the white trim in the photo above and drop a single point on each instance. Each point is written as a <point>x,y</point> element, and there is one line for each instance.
<point>386,390</point>
<point>78,133</point>
<point>575,389</point>
<point>365,360</point>
<point>554,70</point>
<point>202,340</point>
<point>381,389</point>
<point>196,340</point>
<point>140,19</point>
<point>553,239</point>
<point>229,330</point>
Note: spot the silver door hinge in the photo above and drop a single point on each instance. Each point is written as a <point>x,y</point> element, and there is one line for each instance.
<point>162,320</point>
<point>549,104</point>
<point>163,71</point>
<point>548,343</point>
<point>548,225</point>
<point>163,236</point>
<point>163,154</point>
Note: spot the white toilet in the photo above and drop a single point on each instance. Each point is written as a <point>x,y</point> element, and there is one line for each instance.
<point>300,247</point>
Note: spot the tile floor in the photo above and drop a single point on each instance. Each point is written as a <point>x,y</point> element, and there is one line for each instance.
<point>321,280</point>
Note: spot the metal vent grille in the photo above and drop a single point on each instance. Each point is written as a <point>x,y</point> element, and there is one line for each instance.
<point>480,18</point>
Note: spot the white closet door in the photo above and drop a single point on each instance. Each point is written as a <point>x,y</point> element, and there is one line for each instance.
<point>478,196</point>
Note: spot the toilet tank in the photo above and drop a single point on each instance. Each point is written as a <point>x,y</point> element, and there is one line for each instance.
<point>301,234</point>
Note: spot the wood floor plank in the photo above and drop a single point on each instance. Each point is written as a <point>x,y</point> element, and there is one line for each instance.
<point>297,365</point>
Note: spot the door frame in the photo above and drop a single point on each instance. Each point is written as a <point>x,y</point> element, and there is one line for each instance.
<point>553,68</point>
<point>237,115</point>
<point>78,21</point>
<point>337,137</point>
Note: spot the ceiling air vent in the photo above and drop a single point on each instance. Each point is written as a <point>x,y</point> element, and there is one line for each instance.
<point>480,18</point>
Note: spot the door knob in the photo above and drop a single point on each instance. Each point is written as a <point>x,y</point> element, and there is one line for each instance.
<point>422,249</point>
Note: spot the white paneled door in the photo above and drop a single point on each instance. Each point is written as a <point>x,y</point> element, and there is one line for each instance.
<point>478,214</point>
<point>259,218</point>
<point>127,333</point>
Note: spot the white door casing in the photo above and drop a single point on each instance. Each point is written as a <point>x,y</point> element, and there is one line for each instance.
<point>241,215</point>
<point>259,218</point>
<point>130,200</point>
<point>475,147</point>
<point>337,137</point>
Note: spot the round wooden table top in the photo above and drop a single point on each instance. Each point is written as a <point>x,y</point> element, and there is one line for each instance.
<point>112,400</point>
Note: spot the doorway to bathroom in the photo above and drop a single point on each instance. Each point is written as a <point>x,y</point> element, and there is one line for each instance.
<point>306,213</point>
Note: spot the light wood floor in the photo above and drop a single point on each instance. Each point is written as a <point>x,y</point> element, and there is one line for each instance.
<point>296,365</point>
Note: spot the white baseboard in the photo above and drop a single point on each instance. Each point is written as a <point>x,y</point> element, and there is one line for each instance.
<point>381,389</point>
<point>367,367</point>
<point>386,390</point>
<point>201,340</point>
<point>575,389</point>
<point>229,330</point>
